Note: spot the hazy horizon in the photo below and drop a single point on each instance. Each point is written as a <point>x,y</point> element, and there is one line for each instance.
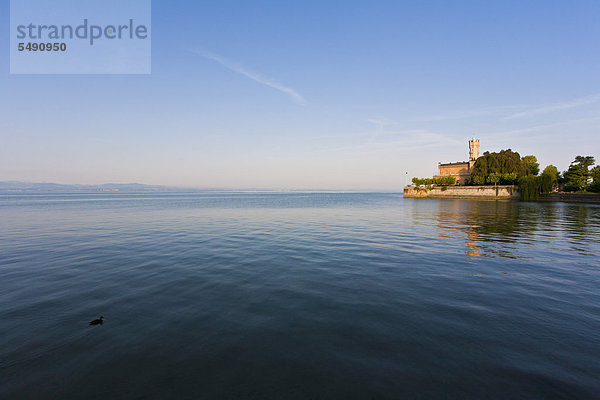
<point>314,96</point>
<point>83,186</point>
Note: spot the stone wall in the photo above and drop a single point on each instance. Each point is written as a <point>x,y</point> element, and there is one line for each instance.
<point>571,197</point>
<point>503,192</point>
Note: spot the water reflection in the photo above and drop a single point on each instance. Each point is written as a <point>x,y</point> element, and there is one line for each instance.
<point>297,295</point>
<point>506,229</point>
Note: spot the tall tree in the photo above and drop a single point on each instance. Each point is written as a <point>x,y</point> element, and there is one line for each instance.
<point>595,174</point>
<point>578,175</point>
<point>552,171</point>
<point>550,178</point>
<point>530,165</point>
<point>585,161</point>
<point>505,162</point>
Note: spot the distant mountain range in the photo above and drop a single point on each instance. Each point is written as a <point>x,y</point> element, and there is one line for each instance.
<point>31,187</point>
<point>8,187</point>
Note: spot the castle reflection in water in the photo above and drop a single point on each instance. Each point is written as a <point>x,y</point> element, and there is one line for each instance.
<point>506,229</point>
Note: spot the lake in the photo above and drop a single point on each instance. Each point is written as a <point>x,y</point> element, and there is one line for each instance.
<point>297,296</point>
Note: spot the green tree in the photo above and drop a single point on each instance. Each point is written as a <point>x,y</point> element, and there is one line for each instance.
<point>529,188</point>
<point>545,183</point>
<point>530,165</point>
<point>478,180</point>
<point>509,179</point>
<point>494,178</point>
<point>442,181</point>
<point>550,178</point>
<point>552,171</point>
<point>595,174</point>
<point>418,181</point>
<point>503,162</point>
<point>578,175</point>
<point>445,180</point>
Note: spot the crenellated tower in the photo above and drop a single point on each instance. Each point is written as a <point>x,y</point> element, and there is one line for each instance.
<point>473,149</point>
<point>461,170</point>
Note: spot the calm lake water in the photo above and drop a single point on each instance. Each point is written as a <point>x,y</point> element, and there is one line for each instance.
<point>332,296</point>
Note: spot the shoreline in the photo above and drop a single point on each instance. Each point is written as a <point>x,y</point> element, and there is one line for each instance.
<point>500,192</point>
<point>570,198</point>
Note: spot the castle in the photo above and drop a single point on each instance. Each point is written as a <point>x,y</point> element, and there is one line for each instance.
<point>461,170</point>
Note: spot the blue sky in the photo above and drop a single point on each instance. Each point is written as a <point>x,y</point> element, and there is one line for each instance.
<point>314,95</point>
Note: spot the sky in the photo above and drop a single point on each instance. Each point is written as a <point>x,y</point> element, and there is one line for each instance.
<point>339,95</point>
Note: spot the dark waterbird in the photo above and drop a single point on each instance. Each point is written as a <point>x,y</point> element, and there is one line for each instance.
<point>98,321</point>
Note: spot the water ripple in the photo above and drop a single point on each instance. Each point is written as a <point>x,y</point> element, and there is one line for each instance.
<point>297,295</point>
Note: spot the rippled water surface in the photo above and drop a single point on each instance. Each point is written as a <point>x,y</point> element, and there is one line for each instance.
<point>262,295</point>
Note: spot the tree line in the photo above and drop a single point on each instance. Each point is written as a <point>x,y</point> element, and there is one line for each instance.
<point>509,168</point>
<point>441,181</point>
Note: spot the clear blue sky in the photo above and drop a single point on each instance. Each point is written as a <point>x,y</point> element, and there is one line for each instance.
<point>314,94</point>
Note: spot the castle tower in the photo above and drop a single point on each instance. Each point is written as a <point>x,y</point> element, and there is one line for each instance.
<point>473,149</point>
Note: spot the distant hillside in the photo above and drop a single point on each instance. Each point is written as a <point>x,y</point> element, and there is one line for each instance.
<point>30,187</point>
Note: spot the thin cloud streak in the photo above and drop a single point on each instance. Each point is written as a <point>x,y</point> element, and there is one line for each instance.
<point>252,75</point>
<point>542,129</point>
<point>410,140</point>
<point>502,113</point>
<point>450,115</point>
<point>556,107</point>
<point>466,114</point>
<point>382,122</point>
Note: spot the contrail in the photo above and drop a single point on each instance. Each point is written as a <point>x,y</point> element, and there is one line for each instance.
<point>557,106</point>
<point>252,75</point>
